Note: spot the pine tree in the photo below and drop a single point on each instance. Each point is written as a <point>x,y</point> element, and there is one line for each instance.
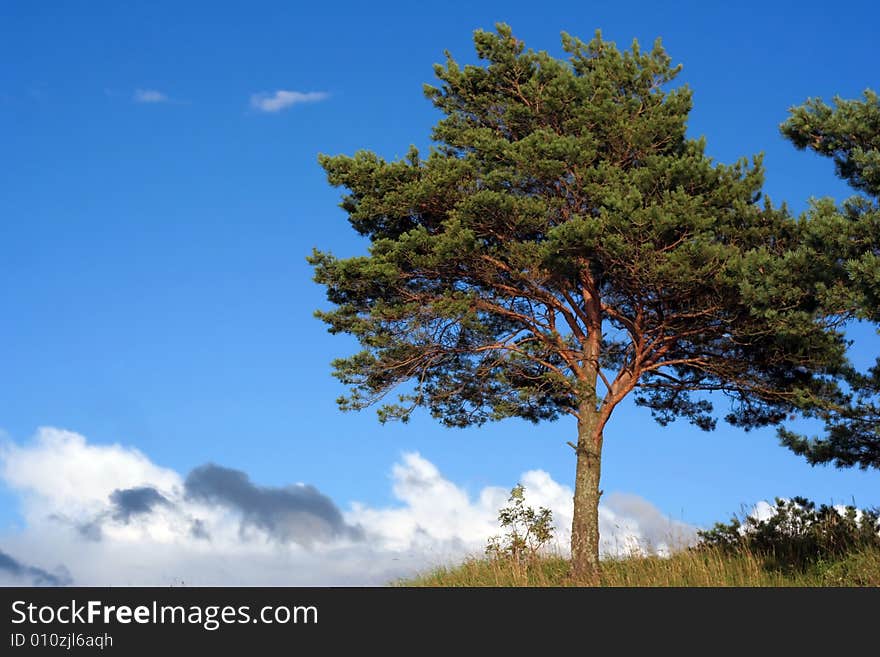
<point>849,133</point>
<point>564,245</point>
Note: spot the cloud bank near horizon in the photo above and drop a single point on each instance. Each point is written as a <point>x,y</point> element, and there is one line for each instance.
<point>102,515</point>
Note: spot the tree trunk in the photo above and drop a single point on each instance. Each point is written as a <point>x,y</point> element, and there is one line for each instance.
<point>585,524</point>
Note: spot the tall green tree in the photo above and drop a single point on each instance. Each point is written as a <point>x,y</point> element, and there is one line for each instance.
<point>564,245</point>
<point>848,132</point>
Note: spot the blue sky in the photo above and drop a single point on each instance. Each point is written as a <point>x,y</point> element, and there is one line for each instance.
<point>152,254</point>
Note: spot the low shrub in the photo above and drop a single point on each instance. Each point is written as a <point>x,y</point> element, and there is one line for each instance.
<point>796,534</point>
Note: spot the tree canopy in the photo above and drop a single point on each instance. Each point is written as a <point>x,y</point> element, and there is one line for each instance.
<point>563,244</point>
<point>849,133</point>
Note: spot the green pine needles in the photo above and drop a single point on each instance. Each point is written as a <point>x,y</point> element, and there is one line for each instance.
<point>849,133</point>
<point>563,245</point>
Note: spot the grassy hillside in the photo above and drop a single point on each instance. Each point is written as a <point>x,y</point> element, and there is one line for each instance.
<point>688,568</point>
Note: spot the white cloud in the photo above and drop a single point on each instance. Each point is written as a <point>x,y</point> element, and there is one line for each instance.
<point>763,511</point>
<point>150,96</point>
<point>60,472</point>
<point>107,515</point>
<point>281,99</point>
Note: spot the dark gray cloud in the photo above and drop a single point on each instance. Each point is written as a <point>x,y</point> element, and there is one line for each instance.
<point>128,502</point>
<point>125,503</point>
<point>90,530</point>
<point>301,514</point>
<point>198,530</point>
<point>14,572</point>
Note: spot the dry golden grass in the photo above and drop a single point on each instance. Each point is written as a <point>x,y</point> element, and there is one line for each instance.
<point>685,568</point>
